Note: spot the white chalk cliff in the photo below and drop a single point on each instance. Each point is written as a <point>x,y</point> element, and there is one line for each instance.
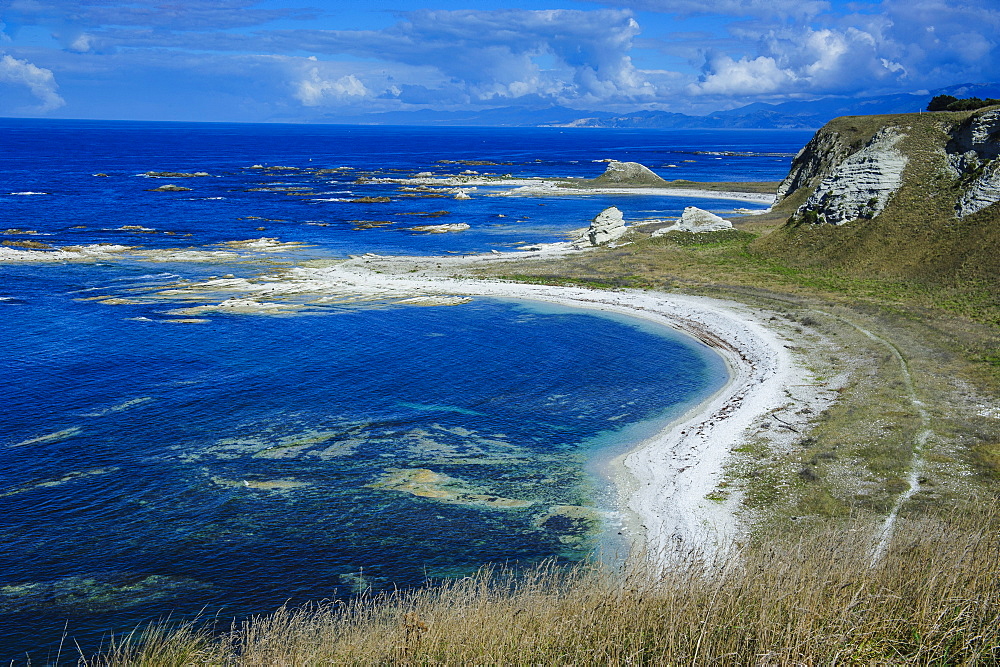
<point>972,154</point>
<point>848,173</point>
<point>863,183</point>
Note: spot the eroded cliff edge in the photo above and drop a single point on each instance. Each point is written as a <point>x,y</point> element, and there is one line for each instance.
<point>855,167</point>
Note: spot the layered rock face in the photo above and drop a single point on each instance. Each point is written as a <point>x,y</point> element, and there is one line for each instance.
<point>861,184</point>
<point>845,175</point>
<point>972,154</point>
<point>816,159</point>
<point>607,226</point>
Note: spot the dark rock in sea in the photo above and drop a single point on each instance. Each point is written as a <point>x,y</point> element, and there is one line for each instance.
<point>370,200</point>
<point>30,245</point>
<point>173,174</point>
<point>169,187</point>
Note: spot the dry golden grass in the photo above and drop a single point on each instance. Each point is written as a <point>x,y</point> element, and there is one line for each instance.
<point>803,599</point>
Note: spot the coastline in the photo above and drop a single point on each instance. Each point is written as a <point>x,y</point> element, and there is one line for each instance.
<point>662,483</point>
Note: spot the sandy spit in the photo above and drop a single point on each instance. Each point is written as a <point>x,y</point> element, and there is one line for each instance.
<point>528,187</point>
<point>663,482</point>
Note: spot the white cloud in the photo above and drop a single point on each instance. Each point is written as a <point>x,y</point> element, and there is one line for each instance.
<point>823,61</point>
<point>557,54</point>
<point>314,90</point>
<point>561,54</point>
<point>770,9</point>
<point>759,76</point>
<point>40,82</point>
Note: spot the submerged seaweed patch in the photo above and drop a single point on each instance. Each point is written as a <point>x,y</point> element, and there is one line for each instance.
<point>49,438</point>
<point>89,594</point>
<point>425,483</point>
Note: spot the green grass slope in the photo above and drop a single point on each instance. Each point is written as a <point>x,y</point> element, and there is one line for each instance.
<point>917,238</point>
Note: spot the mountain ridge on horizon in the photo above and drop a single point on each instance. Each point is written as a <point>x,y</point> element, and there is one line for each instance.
<point>806,114</point>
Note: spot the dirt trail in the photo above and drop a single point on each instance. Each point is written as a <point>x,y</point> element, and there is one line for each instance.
<point>884,534</point>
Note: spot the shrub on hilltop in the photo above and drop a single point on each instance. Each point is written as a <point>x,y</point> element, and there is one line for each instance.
<point>951,103</point>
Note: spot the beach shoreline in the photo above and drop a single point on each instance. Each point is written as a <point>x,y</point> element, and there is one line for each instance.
<point>667,486</point>
<point>662,483</point>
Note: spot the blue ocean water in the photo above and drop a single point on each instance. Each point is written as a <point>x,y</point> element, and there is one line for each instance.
<point>154,468</point>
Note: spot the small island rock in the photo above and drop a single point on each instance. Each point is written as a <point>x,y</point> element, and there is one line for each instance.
<point>169,187</point>
<point>628,174</point>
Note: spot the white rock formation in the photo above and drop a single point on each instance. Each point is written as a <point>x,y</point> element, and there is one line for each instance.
<point>607,226</point>
<point>815,160</point>
<point>441,229</point>
<point>861,185</point>
<point>972,156</point>
<point>695,220</point>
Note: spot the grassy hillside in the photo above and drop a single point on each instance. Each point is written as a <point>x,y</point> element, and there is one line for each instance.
<point>917,240</point>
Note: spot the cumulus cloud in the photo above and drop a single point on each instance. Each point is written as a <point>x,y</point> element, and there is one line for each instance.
<point>565,54</point>
<point>895,45</point>
<point>313,89</point>
<point>757,76</point>
<point>725,51</point>
<point>503,54</point>
<point>814,61</point>
<point>40,82</point>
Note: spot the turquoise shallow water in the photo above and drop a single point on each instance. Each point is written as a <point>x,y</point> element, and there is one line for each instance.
<point>152,468</point>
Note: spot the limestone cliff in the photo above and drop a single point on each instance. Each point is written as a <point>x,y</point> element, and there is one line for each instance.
<point>972,153</point>
<point>854,167</point>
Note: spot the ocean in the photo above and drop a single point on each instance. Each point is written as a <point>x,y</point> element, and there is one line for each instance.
<point>158,466</point>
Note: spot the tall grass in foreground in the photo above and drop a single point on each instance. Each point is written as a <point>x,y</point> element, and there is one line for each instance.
<point>811,598</point>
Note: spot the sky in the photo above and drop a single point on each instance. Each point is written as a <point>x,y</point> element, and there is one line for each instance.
<point>309,60</point>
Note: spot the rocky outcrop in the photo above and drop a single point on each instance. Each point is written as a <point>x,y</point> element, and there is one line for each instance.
<point>695,220</point>
<point>972,157</point>
<point>854,166</point>
<point>629,174</point>
<point>607,226</point>
<point>169,187</point>
<point>172,174</point>
<point>816,159</point>
<point>441,229</point>
<point>862,184</point>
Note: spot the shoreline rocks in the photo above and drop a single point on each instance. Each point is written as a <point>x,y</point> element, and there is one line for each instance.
<point>606,226</point>
<point>441,229</point>
<point>695,220</point>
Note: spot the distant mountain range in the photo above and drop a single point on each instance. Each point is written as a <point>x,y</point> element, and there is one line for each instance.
<point>786,115</point>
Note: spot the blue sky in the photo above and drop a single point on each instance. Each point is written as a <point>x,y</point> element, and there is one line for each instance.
<point>249,60</point>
